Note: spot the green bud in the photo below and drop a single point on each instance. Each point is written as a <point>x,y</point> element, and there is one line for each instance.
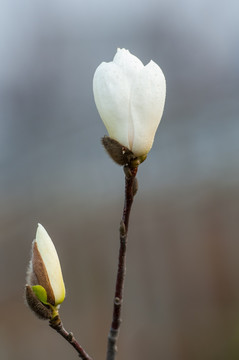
<point>41,310</point>
<point>40,293</point>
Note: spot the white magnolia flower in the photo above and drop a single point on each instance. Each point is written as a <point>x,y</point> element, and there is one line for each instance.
<point>130,99</point>
<point>45,289</point>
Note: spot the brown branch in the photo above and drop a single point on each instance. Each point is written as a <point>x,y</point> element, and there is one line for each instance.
<point>57,325</point>
<point>130,191</point>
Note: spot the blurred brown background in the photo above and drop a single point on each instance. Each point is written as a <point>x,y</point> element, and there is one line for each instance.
<point>182,285</point>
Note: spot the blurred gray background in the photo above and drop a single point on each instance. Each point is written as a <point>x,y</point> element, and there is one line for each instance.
<point>182,286</point>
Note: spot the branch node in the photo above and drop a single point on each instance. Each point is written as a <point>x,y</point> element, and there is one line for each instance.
<point>117,301</point>
<point>122,229</point>
<point>71,337</point>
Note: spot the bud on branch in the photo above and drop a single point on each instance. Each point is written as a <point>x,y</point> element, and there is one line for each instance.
<point>45,290</point>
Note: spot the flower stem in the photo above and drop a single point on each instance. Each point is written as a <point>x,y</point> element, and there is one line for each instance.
<point>130,191</point>
<point>57,325</point>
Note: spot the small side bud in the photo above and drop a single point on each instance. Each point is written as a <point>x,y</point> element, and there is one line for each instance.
<point>41,310</point>
<point>117,301</point>
<point>127,172</point>
<point>122,228</point>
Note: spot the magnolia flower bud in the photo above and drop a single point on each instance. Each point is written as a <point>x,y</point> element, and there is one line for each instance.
<point>130,99</point>
<point>45,290</point>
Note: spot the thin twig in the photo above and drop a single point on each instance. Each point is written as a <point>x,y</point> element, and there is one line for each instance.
<point>130,190</point>
<point>57,325</point>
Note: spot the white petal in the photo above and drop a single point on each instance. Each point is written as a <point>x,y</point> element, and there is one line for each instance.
<point>51,262</point>
<point>129,64</point>
<point>147,104</point>
<point>111,92</point>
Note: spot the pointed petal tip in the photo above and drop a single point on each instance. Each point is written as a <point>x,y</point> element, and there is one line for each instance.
<point>41,233</point>
<point>40,229</point>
